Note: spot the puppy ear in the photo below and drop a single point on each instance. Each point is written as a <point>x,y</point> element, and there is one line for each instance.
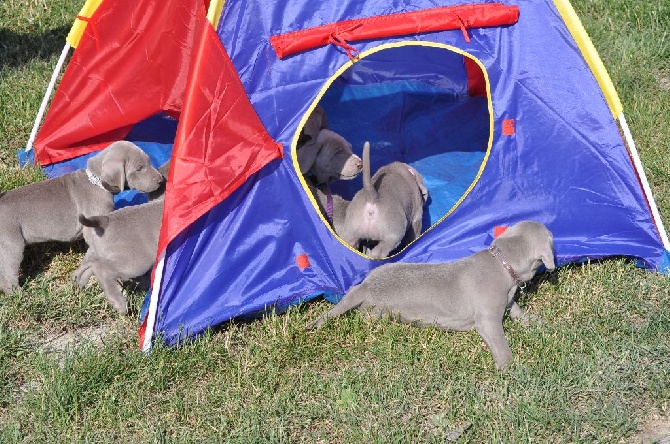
<point>114,174</point>
<point>546,254</point>
<point>422,185</point>
<point>109,166</point>
<point>308,152</point>
<point>315,123</point>
<point>307,155</point>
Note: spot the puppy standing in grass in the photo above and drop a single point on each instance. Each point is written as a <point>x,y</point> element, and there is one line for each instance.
<point>122,245</point>
<point>473,292</point>
<point>49,210</point>
<point>388,211</point>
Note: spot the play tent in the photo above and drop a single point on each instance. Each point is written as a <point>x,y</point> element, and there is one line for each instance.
<point>504,108</point>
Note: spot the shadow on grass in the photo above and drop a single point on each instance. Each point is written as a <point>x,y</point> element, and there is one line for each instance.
<point>38,257</point>
<point>18,49</point>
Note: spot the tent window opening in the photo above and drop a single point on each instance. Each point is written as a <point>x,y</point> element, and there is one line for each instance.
<point>423,104</point>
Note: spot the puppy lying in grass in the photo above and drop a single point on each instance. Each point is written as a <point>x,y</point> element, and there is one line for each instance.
<point>473,292</point>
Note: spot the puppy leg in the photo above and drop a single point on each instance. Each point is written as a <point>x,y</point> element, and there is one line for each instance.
<point>83,273</point>
<point>384,248</point>
<point>11,255</point>
<point>352,300</point>
<point>491,331</point>
<point>111,286</point>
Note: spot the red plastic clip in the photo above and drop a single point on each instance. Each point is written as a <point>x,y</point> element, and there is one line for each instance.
<point>508,127</point>
<point>303,261</point>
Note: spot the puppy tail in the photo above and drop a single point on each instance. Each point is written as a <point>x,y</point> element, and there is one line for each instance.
<point>98,222</point>
<point>367,181</point>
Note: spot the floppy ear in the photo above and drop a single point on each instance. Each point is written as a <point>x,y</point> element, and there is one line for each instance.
<point>307,155</point>
<point>315,122</point>
<point>308,152</point>
<point>109,166</point>
<point>114,173</point>
<point>546,253</point>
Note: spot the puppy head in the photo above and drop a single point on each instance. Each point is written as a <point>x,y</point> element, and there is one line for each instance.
<point>335,159</point>
<point>529,245</point>
<point>124,163</point>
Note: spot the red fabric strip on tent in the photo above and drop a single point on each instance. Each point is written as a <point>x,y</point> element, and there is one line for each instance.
<point>428,20</point>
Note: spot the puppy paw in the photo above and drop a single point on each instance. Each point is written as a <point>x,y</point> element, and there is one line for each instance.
<point>120,306</point>
<point>518,315</point>
<point>81,277</point>
<point>531,319</point>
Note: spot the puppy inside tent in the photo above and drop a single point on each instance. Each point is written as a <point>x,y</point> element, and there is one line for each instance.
<point>504,108</point>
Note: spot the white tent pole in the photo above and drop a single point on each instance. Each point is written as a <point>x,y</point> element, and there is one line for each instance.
<point>47,96</point>
<point>153,304</point>
<point>645,183</point>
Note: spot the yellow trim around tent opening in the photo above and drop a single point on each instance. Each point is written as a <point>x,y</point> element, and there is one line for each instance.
<point>79,25</point>
<point>590,55</point>
<point>338,73</point>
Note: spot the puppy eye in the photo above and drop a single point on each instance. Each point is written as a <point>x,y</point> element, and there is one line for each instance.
<point>140,168</point>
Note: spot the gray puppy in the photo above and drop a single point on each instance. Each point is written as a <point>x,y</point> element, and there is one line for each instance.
<point>473,292</point>
<point>49,210</point>
<point>387,212</point>
<point>121,245</point>
<point>323,154</point>
<point>323,157</point>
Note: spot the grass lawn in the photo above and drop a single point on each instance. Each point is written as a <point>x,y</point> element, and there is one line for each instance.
<point>597,369</point>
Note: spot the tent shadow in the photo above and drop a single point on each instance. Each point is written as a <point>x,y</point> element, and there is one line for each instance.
<point>17,50</point>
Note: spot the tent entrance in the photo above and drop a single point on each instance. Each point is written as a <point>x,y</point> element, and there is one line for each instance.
<point>421,103</point>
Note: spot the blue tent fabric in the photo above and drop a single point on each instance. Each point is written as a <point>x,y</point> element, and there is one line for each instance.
<point>565,164</point>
